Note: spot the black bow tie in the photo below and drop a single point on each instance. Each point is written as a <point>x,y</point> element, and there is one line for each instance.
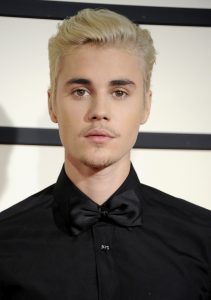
<point>123,209</point>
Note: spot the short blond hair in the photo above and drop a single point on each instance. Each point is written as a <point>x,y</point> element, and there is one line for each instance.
<point>100,27</point>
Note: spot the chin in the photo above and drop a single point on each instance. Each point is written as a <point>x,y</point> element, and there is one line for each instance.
<point>97,164</point>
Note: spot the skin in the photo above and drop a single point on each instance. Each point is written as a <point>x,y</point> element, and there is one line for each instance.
<point>99,106</point>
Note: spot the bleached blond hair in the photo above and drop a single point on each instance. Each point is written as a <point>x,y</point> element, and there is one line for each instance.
<point>100,27</point>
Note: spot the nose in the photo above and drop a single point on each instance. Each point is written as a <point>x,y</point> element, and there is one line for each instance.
<point>99,109</point>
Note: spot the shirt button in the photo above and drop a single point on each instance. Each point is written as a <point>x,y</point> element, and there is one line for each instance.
<point>104,247</point>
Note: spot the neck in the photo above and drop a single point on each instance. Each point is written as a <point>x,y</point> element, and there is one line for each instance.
<point>98,185</point>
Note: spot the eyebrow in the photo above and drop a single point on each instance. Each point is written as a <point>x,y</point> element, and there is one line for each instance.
<point>121,82</point>
<point>78,81</point>
<point>117,82</point>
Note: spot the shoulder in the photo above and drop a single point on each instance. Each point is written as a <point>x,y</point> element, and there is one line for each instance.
<point>180,224</point>
<point>41,199</point>
<point>175,207</point>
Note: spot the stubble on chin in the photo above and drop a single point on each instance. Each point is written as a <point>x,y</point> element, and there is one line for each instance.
<point>98,159</point>
<point>97,164</point>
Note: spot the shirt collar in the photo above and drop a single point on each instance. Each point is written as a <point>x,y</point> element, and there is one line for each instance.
<point>66,192</point>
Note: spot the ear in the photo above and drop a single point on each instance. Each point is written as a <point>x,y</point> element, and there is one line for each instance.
<point>51,107</point>
<point>146,106</point>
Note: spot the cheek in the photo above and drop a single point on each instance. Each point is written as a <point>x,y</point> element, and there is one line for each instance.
<point>134,116</point>
<point>129,127</point>
<point>68,126</point>
<point>67,115</point>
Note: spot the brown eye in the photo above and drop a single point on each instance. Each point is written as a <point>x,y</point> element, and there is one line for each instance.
<point>80,93</point>
<point>120,94</point>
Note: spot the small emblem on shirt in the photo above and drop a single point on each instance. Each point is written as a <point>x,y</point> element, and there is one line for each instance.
<point>104,247</point>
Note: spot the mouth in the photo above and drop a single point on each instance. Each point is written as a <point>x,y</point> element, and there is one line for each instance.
<point>99,135</point>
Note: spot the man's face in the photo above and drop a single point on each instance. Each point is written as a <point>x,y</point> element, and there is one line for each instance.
<point>99,105</point>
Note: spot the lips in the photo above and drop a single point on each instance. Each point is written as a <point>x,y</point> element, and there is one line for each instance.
<point>99,135</point>
<point>99,132</point>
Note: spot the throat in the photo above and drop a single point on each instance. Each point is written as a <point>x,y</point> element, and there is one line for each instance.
<point>99,185</point>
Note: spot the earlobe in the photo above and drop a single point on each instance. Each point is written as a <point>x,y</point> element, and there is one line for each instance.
<point>51,107</point>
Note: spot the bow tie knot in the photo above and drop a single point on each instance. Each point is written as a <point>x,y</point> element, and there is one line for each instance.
<point>123,210</point>
<point>103,211</point>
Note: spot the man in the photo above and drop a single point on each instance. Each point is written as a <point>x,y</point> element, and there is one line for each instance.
<point>98,233</point>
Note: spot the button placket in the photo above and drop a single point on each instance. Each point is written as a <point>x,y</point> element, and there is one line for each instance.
<point>106,274</point>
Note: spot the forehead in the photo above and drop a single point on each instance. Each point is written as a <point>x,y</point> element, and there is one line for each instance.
<point>101,62</point>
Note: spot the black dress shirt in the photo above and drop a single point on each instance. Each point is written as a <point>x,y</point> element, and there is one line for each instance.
<point>165,257</point>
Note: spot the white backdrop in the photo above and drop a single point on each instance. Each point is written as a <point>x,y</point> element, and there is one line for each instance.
<point>181,103</point>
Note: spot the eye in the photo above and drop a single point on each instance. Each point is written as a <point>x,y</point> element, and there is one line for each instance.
<point>80,93</point>
<point>120,94</point>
